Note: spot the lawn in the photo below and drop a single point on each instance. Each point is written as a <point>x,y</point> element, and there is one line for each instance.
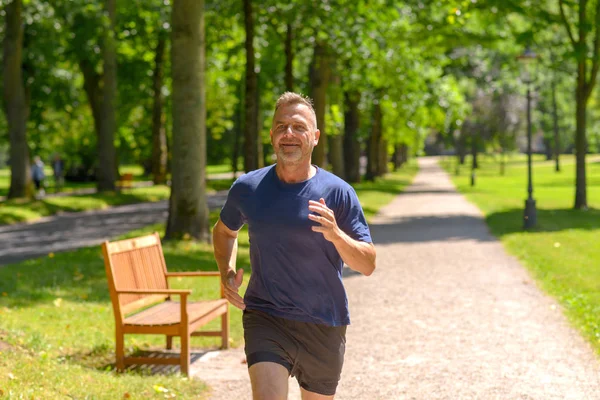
<point>22,210</point>
<point>562,252</point>
<point>57,326</point>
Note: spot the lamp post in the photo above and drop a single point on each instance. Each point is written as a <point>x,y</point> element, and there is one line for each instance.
<point>530,215</point>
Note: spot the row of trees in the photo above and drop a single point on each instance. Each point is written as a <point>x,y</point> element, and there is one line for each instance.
<point>91,79</point>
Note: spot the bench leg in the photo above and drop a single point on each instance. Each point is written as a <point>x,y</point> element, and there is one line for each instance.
<point>225,329</point>
<point>120,350</point>
<point>185,351</point>
<point>169,342</point>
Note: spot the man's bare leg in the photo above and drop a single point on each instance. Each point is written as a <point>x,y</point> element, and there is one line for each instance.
<point>306,395</point>
<point>269,381</point>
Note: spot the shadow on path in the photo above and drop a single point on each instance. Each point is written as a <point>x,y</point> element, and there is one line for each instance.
<point>72,231</point>
<point>430,229</point>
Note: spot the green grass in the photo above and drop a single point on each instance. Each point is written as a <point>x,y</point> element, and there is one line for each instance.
<point>562,253</point>
<point>57,319</point>
<point>220,169</point>
<point>20,210</point>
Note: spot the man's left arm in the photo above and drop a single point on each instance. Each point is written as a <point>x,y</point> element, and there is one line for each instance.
<point>360,256</point>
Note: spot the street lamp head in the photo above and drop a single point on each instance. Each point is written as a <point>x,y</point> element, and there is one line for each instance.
<point>527,59</point>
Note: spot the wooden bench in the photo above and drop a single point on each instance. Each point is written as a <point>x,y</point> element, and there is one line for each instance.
<point>141,298</point>
<point>125,181</point>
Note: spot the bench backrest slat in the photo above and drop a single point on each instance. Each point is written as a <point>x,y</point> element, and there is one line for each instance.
<point>135,264</point>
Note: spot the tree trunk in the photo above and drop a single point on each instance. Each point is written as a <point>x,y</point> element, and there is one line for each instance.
<point>396,159</point>
<point>404,152</point>
<point>580,143</point>
<point>474,163</point>
<point>548,149</point>
<point>351,144</point>
<point>382,169</point>
<point>251,95</point>
<point>237,132</point>
<point>373,146</point>
<point>555,126</point>
<point>15,103</point>
<point>400,155</point>
<point>188,209</point>
<point>107,157</point>
<point>289,58</point>
<point>91,86</point>
<point>260,153</point>
<point>159,136</point>
<point>319,79</point>
<point>461,149</point>
<point>336,154</point>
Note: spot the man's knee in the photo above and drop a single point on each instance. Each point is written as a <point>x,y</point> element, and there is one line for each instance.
<point>269,381</point>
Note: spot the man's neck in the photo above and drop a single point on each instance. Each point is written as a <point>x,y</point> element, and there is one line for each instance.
<point>295,173</point>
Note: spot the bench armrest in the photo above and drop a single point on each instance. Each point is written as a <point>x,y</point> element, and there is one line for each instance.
<point>183,292</point>
<point>193,274</point>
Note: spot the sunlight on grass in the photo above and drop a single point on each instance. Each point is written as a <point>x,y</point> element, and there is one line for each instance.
<point>13,211</point>
<point>562,253</point>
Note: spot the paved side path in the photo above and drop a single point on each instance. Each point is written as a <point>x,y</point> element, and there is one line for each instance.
<point>447,315</point>
<point>69,231</point>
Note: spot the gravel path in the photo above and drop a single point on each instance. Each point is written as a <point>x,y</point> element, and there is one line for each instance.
<point>447,315</point>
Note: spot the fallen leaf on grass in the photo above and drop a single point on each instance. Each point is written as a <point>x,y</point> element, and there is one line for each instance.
<point>160,389</point>
<point>57,302</point>
<point>126,395</point>
<point>11,376</point>
<point>4,294</point>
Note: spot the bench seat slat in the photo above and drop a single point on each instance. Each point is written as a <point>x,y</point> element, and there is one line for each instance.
<point>169,313</point>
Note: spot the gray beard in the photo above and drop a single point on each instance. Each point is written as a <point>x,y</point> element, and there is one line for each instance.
<point>293,158</point>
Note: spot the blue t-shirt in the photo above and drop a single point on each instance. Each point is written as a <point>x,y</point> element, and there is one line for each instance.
<point>296,272</point>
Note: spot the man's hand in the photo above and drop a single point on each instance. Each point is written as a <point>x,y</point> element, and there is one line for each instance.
<point>326,218</point>
<point>231,284</point>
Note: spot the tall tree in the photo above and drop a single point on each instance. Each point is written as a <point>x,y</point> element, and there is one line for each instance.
<point>159,135</point>
<point>556,146</point>
<point>319,73</point>
<point>351,143</point>
<point>251,139</point>
<point>587,24</point>
<point>188,210</point>
<point>374,143</point>
<point>15,102</point>
<point>107,154</point>
<point>289,57</point>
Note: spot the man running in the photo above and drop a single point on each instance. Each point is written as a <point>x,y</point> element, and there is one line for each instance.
<point>304,223</point>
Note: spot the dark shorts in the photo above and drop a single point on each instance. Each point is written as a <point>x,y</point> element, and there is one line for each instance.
<point>313,353</point>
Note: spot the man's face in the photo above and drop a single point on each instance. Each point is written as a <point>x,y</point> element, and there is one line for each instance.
<point>293,133</point>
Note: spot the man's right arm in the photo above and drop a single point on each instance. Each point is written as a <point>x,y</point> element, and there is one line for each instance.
<point>225,248</point>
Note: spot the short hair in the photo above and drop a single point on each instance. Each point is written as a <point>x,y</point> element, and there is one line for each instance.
<point>290,98</point>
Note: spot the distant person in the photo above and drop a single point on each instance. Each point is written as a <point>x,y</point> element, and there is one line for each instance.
<point>38,176</point>
<point>58,167</point>
<point>304,224</point>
